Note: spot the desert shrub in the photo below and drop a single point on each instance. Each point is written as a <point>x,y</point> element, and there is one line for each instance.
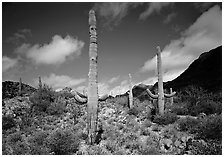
<point>42,98</point>
<point>210,148</point>
<point>62,142</point>
<point>57,107</point>
<point>179,108</point>
<point>15,137</point>
<point>17,144</point>
<point>37,143</point>
<point>208,106</point>
<point>199,100</point>
<point>187,124</point>
<point>151,147</point>
<point>133,111</point>
<point>122,101</point>
<point>210,128</point>
<point>8,122</point>
<point>167,118</point>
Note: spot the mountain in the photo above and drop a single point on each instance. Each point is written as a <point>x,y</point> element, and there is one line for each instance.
<point>206,72</point>
<point>10,89</point>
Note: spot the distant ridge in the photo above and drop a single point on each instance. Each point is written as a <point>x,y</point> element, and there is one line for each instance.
<point>206,72</point>
<point>10,89</point>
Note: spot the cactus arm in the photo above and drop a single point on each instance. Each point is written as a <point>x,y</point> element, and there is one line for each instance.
<point>103,97</point>
<point>169,95</point>
<point>81,95</point>
<point>78,98</point>
<point>153,96</point>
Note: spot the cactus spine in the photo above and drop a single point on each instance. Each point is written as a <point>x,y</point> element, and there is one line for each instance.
<point>130,92</point>
<point>20,86</point>
<point>160,96</point>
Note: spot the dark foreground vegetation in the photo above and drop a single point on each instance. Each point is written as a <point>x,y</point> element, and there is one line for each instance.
<point>53,123</point>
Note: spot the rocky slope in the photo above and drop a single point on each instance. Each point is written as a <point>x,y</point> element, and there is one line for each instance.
<point>10,89</point>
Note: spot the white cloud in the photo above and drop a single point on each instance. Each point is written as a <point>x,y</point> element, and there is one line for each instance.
<point>8,63</point>
<point>153,7</point>
<point>60,81</point>
<point>113,79</point>
<point>113,12</point>
<point>56,52</point>
<point>202,36</point>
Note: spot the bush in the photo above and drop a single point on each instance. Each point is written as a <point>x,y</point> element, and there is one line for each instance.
<point>8,122</point>
<point>133,111</point>
<point>167,118</point>
<point>62,142</point>
<point>57,107</point>
<point>199,100</point>
<point>37,143</point>
<point>210,148</point>
<point>17,144</point>
<point>210,128</point>
<point>187,124</point>
<point>42,99</point>
<point>179,109</point>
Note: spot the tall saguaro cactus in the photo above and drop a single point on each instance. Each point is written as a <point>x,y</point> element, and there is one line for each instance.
<point>130,92</point>
<point>92,86</point>
<point>92,97</point>
<point>160,96</point>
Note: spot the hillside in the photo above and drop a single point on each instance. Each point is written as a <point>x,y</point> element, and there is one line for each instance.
<point>206,72</point>
<point>10,89</point>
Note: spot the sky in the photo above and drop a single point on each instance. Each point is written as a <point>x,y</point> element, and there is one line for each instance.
<point>51,40</point>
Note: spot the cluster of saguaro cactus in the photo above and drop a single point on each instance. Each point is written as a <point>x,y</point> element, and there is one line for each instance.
<point>130,92</point>
<point>92,97</point>
<point>160,96</point>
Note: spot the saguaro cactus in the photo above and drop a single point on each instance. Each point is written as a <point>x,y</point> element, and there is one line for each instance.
<point>40,83</point>
<point>92,94</point>
<point>20,86</point>
<point>160,96</point>
<point>130,92</point>
<point>171,99</point>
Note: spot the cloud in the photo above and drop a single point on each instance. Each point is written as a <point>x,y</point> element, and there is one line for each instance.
<point>113,79</point>
<point>8,63</point>
<point>60,81</point>
<point>169,17</point>
<point>19,36</point>
<point>153,7</point>
<point>56,52</point>
<point>113,12</point>
<point>203,35</point>
<point>202,6</point>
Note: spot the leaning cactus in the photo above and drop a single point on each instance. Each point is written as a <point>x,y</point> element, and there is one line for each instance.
<point>160,96</point>
<point>92,97</point>
<point>130,92</point>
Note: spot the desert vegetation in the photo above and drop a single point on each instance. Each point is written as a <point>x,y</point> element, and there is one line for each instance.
<point>48,122</point>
